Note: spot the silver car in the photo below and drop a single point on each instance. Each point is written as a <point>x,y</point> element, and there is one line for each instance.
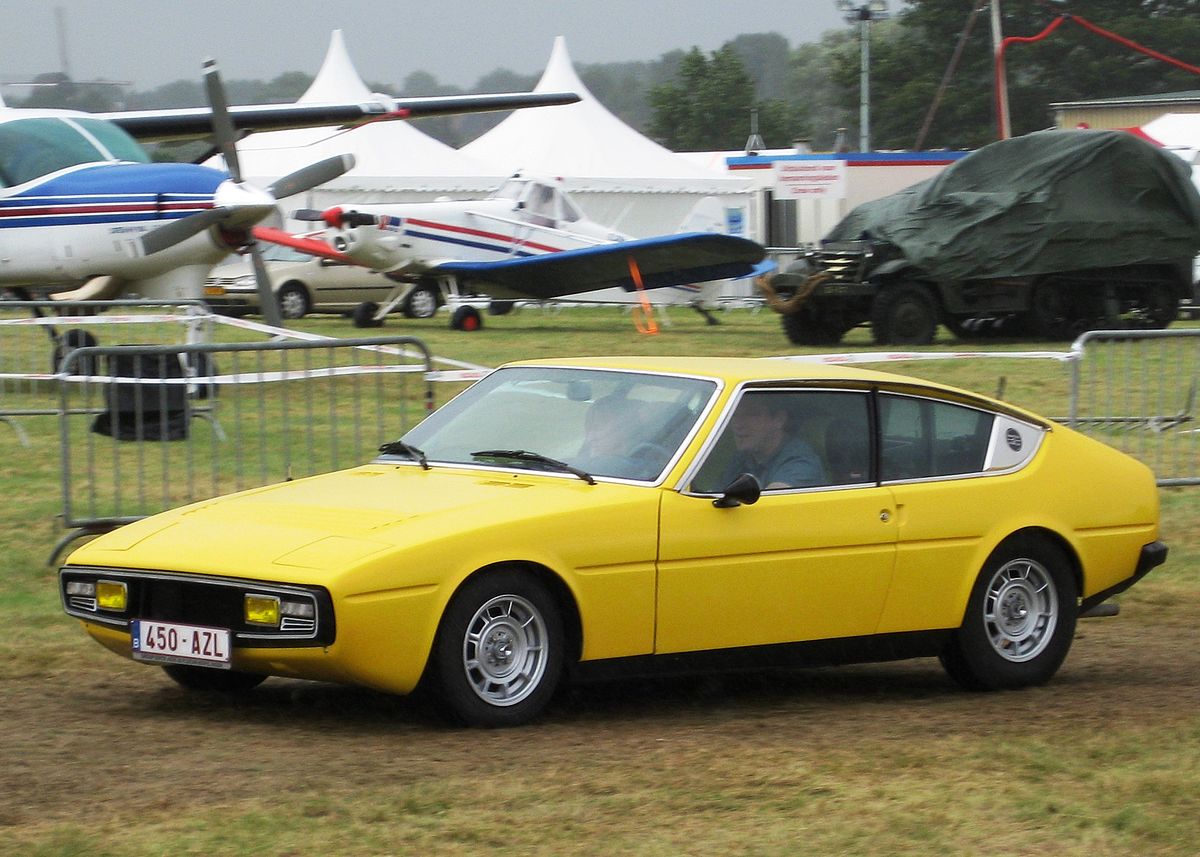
<point>302,284</point>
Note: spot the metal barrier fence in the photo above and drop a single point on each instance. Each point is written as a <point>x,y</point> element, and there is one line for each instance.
<point>1136,390</point>
<point>36,335</point>
<point>149,427</point>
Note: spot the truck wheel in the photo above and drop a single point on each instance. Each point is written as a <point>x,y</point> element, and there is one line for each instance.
<point>1160,306</point>
<point>807,328</point>
<point>1050,314</point>
<point>904,314</point>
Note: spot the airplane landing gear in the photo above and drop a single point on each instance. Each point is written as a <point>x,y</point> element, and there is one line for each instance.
<point>466,318</point>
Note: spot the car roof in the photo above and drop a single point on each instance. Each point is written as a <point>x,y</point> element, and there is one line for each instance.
<point>734,371</point>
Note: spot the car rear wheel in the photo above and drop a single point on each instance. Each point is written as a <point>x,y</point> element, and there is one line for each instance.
<point>499,650</point>
<point>293,300</point>
<point>422,302</point>
<point>1020,619</point>
<point>211,680</point>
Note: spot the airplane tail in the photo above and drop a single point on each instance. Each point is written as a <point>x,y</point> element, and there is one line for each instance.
<point>708,215</point>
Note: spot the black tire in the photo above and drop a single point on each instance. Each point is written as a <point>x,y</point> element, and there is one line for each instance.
<point>904,314</point>
<point>70,341</point>
<point>498,655</point>
<point>421,302</point>
<point>1051,315</point>
<point>1160,306</point>
<point>364,315</point>
<point>466,318</point>
<point>500,307</point>
<point>293,300</point>
<point>806,327</point>
<point>1020,619</point>
<point>208,680</point>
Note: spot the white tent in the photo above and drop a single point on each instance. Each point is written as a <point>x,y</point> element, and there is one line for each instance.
<point>384,151</point>
<point>619,176</point>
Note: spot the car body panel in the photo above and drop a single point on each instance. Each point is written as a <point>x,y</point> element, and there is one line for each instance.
<point>331,286</point>
<point>726,578</point>
<point>647,566</point>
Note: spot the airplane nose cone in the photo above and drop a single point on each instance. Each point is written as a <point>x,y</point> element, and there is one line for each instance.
<point>245,204</point>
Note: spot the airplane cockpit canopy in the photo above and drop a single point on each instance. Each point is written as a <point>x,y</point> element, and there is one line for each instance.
<point>36,146</point>
<point>540,199</point>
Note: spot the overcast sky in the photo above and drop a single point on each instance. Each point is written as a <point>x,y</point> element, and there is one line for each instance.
<point>151,42</point>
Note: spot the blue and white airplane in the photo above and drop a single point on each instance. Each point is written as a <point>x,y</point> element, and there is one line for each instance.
<point>85,214</point>
<point>528,240</point>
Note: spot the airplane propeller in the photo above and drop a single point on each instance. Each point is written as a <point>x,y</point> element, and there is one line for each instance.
<point>237,205</point>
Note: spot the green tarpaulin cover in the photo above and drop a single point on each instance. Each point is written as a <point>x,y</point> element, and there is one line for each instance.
<point>1045,202</point>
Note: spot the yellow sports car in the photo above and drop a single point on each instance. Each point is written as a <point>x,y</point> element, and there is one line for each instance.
<point>575,518</point>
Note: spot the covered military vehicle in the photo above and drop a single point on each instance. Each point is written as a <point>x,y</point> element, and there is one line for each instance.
<point>1045,235</point>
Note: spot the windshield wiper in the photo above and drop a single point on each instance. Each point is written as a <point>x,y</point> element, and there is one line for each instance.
<point>536,458</point>
<point>399,447</point>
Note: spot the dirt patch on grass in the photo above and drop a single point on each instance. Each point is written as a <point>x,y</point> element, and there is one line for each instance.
<point>119,740</point>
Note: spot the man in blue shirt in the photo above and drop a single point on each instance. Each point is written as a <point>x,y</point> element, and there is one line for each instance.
<point>767,450</point>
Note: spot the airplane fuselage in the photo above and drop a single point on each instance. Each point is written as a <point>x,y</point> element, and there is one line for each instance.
<point>87,220</point>
<point>418,236</point>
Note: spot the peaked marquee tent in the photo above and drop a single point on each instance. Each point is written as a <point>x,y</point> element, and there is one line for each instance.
<point>389,156</point>
<point>615,174</point>
<point>608,166</point>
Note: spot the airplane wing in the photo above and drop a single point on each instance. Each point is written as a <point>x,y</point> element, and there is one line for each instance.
<point>667,260</point>
<point>194,123</point>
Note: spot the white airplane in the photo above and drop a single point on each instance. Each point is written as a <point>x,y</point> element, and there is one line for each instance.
<point>528,240</point>
<point>85,211</point>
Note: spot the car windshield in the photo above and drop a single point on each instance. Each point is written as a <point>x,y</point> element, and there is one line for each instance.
<point>281,253</point>
<point>623,425</point>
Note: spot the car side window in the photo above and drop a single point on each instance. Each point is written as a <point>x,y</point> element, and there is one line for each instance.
<point>923,438</point>
<point>790,439</point>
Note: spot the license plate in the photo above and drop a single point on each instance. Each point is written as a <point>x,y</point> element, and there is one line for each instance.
<point>214,291</point>
<point>173,643</point>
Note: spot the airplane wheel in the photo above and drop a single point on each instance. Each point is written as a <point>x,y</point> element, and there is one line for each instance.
<point>466,318</point>
<point>501,307</point>
<point>364,315</point>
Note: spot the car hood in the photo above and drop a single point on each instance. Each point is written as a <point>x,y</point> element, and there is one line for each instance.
<point>305,530</point>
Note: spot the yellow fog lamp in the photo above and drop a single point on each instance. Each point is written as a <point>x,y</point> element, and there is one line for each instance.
<point>111,595</point>
<point>261,610</point>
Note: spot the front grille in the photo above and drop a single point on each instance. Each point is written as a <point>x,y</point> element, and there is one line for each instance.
<point>200,600</point>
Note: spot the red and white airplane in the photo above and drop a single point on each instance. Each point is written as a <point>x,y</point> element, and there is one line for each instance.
<point>84,211</point>
<point>528,240</point>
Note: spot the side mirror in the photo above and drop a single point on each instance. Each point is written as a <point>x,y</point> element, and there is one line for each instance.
<point>742,491</point>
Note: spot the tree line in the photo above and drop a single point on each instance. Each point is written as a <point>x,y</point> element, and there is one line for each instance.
<point>931,79</point>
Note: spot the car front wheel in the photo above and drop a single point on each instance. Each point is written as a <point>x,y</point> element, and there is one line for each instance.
<point>499,650</point>
<point>293,301</point>
<point>1020,619</point>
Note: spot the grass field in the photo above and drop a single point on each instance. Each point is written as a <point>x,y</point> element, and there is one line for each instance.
<point>106,757</point>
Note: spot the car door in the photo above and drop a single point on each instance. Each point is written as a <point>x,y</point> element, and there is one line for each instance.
<point>802,563</point>
<point>944,463</point>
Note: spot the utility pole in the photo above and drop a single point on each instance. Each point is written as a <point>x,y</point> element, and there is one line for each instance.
<point>863,15</point>
<point>1001,77</point>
